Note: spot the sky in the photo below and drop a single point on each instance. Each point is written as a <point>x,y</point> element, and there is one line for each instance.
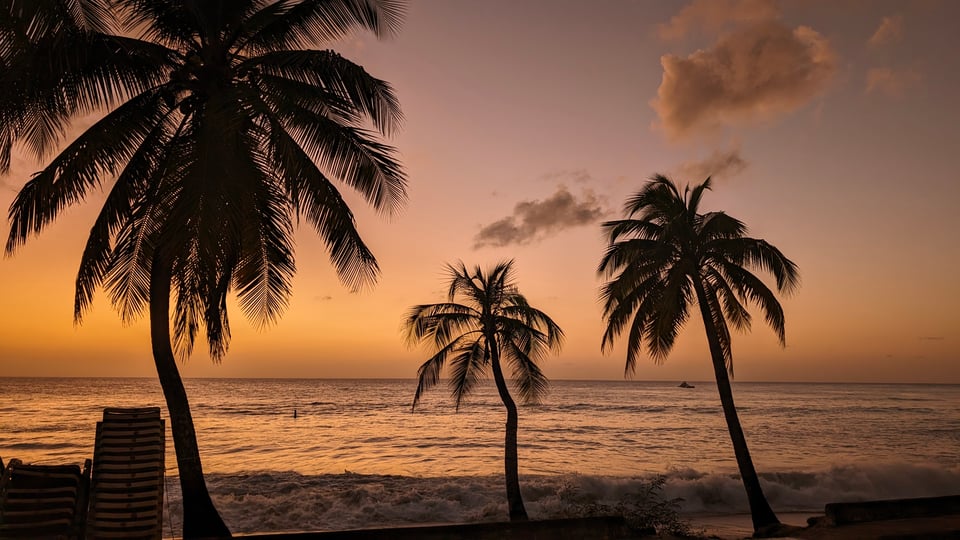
<point>829,128</point>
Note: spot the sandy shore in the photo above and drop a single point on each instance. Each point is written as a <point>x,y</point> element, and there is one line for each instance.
<point>736,526</point>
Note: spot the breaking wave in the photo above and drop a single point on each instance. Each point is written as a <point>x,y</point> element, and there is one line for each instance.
<point>289,501</point>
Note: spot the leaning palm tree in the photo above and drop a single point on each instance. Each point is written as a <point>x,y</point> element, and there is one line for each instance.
<point>494,322</point>
<point>223,128</point>
<point>664,257</point>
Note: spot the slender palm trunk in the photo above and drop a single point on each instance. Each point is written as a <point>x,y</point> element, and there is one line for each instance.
<point>760,511</point>
<point>200,517</point>
<point>510,461</point>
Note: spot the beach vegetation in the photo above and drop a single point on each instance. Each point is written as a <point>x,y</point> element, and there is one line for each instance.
<point>221,126</point>
<point>485,323</point>
<point>667,256</point>
<point>646,509</point>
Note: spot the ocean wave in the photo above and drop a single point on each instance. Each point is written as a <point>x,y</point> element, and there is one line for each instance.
<point>810,491</point>
<point>287,501</point>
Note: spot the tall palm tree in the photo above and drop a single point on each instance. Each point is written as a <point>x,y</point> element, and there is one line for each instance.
<point>665,256</point>
<point>223,128</point>
<point>492,322</point>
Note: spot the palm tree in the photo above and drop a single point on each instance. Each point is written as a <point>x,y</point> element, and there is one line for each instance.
<point>664,256</point>
<point>223,128</point>
<point>493,322</point>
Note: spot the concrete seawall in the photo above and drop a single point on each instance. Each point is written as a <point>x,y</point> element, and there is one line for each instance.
<point>593,528</point>
<point>858,512</point>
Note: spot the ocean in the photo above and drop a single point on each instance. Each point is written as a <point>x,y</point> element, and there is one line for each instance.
<point>355,455</point>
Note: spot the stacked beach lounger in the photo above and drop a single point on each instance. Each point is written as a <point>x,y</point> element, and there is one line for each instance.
<point>126,490</point>
<point>43,501</point>
<point>122,497</point>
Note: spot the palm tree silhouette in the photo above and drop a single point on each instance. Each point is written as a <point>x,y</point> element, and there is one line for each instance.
<point>664,256</point>
<point>494,322</point>
<point>222,130</point>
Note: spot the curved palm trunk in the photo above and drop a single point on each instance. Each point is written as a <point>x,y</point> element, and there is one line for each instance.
<point>200,517</point>
<point>510,461</point>
<point>760,511</point>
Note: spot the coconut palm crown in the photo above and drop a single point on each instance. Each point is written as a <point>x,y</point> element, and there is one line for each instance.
<point>222,128</point>
<point>484,322</point>
<point>665,256</point>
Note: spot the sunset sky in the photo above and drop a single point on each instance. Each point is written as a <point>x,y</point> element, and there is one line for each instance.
<point>831,128</point>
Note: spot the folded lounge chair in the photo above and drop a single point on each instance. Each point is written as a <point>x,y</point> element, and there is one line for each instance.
<point>43,501</point>
<point>126,491</point>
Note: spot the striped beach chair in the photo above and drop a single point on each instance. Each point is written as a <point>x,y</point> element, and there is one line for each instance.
<point>126,490</point>
<point>43,501</point>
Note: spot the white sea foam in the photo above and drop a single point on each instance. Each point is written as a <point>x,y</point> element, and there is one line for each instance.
<point>286,501</point>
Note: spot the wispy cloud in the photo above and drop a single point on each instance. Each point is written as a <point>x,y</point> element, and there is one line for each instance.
<point>891,82</point>
<point>536,219</point>
<point>889,31</point>
<point>578,176</point>
<point>719,164</point>
<point>757,70</point>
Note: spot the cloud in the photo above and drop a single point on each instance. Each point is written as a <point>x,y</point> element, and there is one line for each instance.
<point>533,220</point>
<point>324,298</point>
<point>712,16</point>
<point>757,71</point>
<point>578,176</point>
<point>717,165</point>
<point>890,82</point>
<point>889,31</point>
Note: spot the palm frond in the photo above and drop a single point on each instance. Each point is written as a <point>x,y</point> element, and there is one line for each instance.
<point>696,195</point>
<point>467,367</point>
<point>429,372</point>
<point>314,195</point>
<point>332,75</point>
<point>303,23</point>
<point>99,151</point>
<point>751,288</point>
<point>127,191</point>
<point>75,74</point>
<point>440,323</point>
<point>733,309</point>
<point>528,379</point>
<point>352,155</point>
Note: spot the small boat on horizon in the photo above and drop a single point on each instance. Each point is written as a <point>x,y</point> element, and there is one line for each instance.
<point>685,384</point>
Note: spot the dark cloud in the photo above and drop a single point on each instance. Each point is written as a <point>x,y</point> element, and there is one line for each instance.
<point>718,164</point>
<point>325,298</point>
<point>757,71</point>
<point>533,220</point>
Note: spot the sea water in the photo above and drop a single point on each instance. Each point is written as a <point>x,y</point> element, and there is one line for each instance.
<point>356,455</point>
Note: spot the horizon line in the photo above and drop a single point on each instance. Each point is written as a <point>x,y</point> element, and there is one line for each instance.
<point>563,379</point>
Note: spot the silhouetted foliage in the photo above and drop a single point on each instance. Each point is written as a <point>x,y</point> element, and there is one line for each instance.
<point>646,510</point>
<point>663,257</point>
<point>491,322</point>
<point>222,128</point>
